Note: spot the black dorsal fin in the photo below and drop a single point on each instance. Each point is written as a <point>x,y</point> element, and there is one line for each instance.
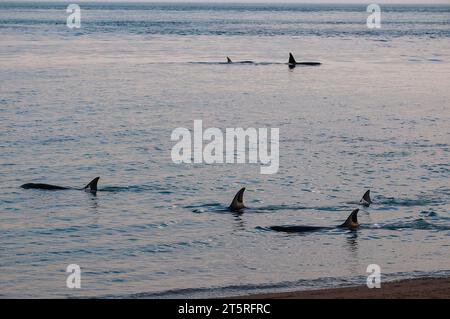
<point>238,200</point>
<point>291,59</point>
<point>229,60</point>
<point>366,198</point>
<point>92,185</point>
<point>352,220</point>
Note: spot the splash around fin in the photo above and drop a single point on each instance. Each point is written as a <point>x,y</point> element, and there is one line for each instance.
<point>238,201</point>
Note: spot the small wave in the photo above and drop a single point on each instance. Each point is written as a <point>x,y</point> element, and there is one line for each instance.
<point>380,40</point>
<point>240,63</point>
<point>285,286</point>
<point>434,216</point>
<point>429,214</point>
<point>391,201</point>
<point>209,207</point>
<point>135,189</point>
<point>419,224</point>
<point>218,207</point>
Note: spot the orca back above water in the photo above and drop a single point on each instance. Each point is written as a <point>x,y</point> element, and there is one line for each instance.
<point>42,186</point>
<point>296,229</point>
<point>292,63</point>
<point>92,186</point>
<point>239,62</point>
<point>237,205</point>
<point>350,223</point>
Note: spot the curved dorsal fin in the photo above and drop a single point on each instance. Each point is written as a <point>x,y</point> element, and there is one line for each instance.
<point>366,198</point>
<point>238,200</point>
<point>291,59</point>
<point>229,60</point>
<point>352,220</point>
<point>92,184</point>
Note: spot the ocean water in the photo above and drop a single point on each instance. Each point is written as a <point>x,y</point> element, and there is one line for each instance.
<point>104,99</point>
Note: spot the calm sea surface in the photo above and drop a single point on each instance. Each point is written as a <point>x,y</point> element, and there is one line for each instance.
<point>103,100</point>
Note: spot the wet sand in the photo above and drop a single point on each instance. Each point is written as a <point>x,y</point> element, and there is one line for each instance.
<point>436,288</point>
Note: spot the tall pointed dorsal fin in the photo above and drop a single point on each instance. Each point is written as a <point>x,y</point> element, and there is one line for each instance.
<point>93,184</point>
<point>291,59</point>
<point>366,198</point>
<point>238,200</point>
<point>229,60</point>
<point>352,220</point>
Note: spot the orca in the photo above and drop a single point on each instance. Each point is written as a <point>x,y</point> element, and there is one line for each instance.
<point>91,187</point>
<point>351,223</point>
<point>365,200</point>
<point>237,205</point>
<point>229,61</point>
<point>292,63</point>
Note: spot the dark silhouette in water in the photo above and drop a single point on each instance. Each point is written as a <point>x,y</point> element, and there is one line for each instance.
<point>365,200</point>
<point>351,223</point>
<point>237,205</point>
<point>240,62</point>
<point>292,63</point>
<point>92,186</point>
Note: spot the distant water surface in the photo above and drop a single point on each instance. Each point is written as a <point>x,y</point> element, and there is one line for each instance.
<point>103,100</point>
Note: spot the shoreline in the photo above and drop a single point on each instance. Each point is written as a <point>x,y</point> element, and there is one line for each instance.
<point>420,288</point>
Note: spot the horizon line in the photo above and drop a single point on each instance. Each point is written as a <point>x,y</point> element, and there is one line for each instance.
<point>325,2</point>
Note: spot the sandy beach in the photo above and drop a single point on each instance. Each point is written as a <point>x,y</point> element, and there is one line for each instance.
<point>435,288</point>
